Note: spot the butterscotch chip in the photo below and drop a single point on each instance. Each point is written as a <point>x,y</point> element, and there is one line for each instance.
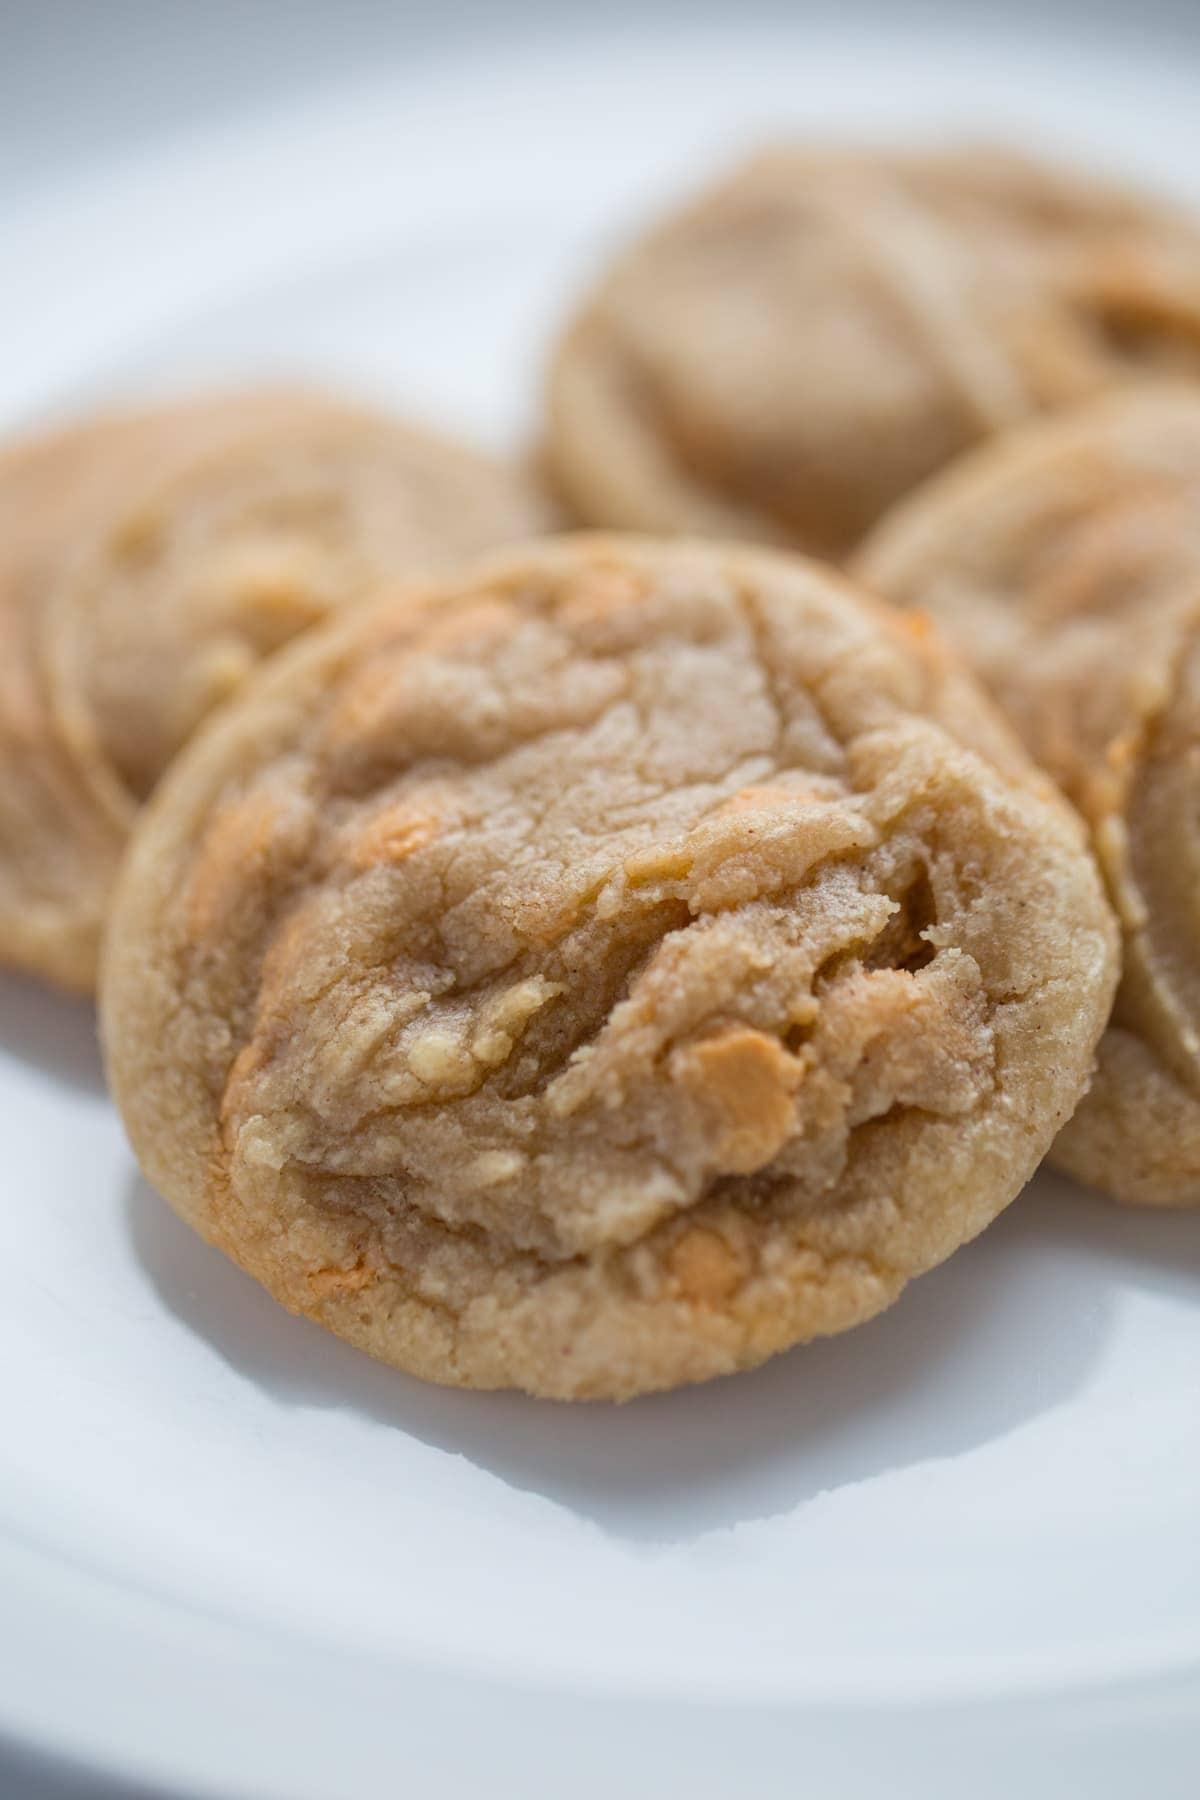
<point>822,330</point>
<point>749,970</point>
<point>748,1080</point>
<point>1066,563</point>
<point>148,564</point>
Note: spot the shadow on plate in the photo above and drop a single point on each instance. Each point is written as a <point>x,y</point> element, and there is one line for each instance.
<point>37,1775</point>
<point>54,1032</point>
<point>1008,1330</point>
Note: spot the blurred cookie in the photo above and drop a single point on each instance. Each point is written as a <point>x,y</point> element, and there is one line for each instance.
<point>165,556</point>
<point>824,329</point>
<point>58,857</point>
<point>607,971</point>
<point>58,851</point>
<point>1065,561</point>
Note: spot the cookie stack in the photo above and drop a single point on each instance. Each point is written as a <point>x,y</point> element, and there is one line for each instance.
<point>600,966</point>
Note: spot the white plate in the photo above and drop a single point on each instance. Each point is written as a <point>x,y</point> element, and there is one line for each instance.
<point>952,1553</point>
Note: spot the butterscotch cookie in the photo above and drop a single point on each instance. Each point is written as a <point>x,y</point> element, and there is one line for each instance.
<point>58,851</point>
<point>824,329</point>
<point>1065,561</point>
<point>164,557</point>
<point>604,970</point>
<point>57,856</point>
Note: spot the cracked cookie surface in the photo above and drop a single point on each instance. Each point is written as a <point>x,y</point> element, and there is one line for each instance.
<point>149,563</point>
<point>604,971</point>
<point>1066,565</point>
<point>805,342</point>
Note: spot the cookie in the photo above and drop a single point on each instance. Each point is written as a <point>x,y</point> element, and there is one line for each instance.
<point>166,556</point>
<point>1065,561</point>
<point>58,857</point>
<point>603,970</point>
<point>823,330</point>
<point>58,851</point>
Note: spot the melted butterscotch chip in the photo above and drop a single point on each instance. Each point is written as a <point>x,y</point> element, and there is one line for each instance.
<point>706,1271</point>
<point>633,986</point>
<point>748,1080</point>
<point>148,564</point>
<point>334,1284</point>
<point>788,355</point>
<point>1066,564</point>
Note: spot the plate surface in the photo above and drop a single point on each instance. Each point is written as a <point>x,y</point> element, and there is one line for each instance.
<point>957,1546</point>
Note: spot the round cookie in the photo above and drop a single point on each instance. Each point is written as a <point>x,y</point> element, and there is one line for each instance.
<point>824,329</point>
<point>154,560</point>
<point>602,971</point>
<point>1065,561</point>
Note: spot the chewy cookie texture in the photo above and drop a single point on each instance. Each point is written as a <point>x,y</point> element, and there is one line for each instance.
<point>1065,562</point>
<point>603,969</point>
<point>796,349</point>
<point>147,564</point>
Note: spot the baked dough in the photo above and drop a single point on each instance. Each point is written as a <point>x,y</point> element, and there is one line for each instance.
<point>147,563</point>
<point>1065,562</point>
<point>825,328</point>
<point>604,970</point>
